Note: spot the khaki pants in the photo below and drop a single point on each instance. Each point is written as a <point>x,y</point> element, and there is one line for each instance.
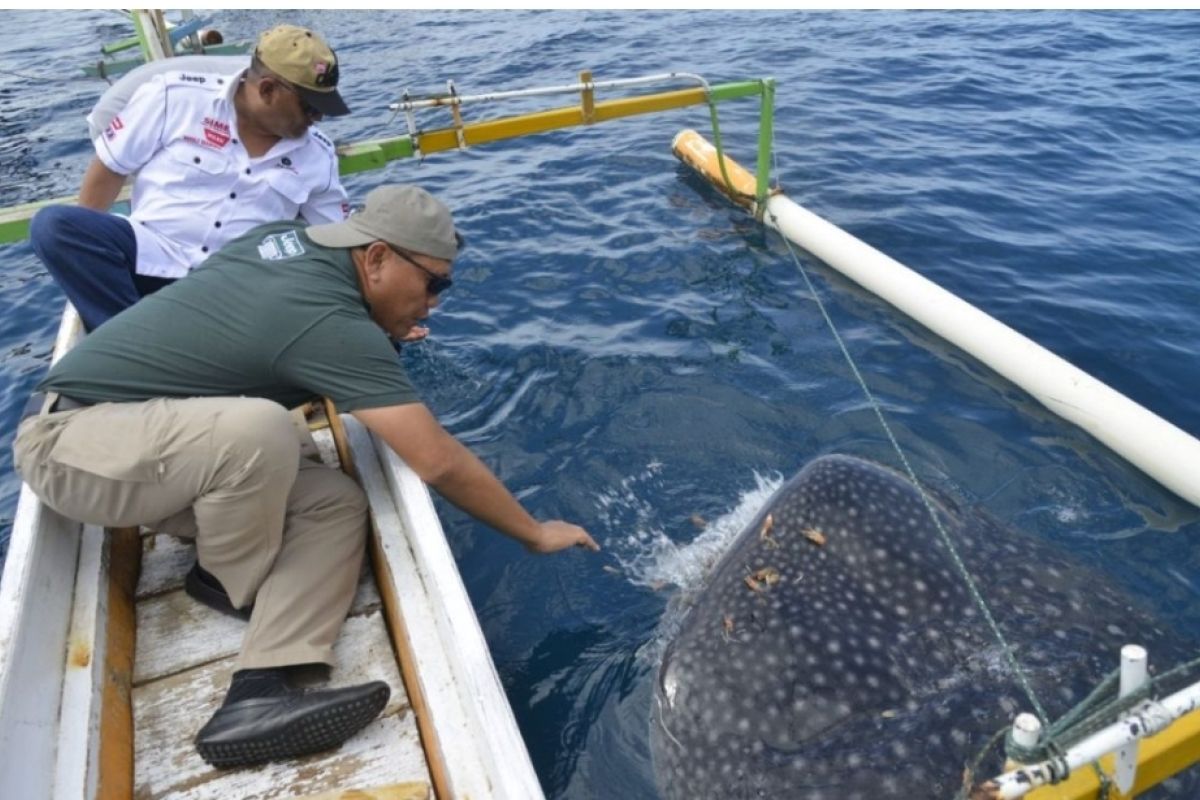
<point>274,528</point>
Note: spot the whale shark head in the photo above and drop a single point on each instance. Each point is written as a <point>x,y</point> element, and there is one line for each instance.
<point>835,651</point>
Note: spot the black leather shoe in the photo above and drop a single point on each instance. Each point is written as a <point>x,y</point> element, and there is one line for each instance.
<point>204,588</point>
<point>276,728</point>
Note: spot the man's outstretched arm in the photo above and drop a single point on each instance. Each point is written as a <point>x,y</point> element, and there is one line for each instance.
<point>458,475</point>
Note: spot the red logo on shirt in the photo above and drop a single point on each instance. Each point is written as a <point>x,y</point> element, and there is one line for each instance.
<point>216,132</point>
<point>114,126</point>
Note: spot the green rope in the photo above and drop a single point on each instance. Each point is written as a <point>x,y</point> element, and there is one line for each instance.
<point>1086,717</point>
<point>1009,655</point>
<point>1094,713</point>
<point>972,769</point>
<point>716,127</point>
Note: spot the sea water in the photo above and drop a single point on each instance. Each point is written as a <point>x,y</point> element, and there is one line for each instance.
<point>629,352</point>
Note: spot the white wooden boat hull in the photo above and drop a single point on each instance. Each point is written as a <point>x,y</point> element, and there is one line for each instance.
<point>69,693</point>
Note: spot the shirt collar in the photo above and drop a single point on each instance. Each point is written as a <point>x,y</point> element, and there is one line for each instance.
<point>234,80</point>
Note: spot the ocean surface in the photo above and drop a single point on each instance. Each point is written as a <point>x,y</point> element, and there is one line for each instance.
<point>629,352</point>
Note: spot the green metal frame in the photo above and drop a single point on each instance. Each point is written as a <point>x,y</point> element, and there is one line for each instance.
<point>140,36</point>
<point>766,137</point>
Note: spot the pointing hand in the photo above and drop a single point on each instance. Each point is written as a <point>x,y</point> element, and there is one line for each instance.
<point>557,535</point>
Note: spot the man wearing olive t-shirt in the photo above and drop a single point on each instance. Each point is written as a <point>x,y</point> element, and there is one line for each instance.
<point>173,415</point>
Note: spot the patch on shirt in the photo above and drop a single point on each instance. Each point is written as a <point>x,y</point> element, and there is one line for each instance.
<point>216,132</point>
<point>279,246</point>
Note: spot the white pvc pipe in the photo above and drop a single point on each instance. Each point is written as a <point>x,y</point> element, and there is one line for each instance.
<point>1161,450</point>
<point>1026,730</point>
<point>1134,674</point>
<point>572,88</point>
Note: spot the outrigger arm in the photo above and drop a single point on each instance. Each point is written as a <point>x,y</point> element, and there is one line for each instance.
<point>373,154</point>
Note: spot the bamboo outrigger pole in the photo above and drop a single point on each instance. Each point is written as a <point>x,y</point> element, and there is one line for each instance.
<point>1161,450</point>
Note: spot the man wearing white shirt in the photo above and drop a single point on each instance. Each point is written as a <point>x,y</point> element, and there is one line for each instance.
<point>214,155</point>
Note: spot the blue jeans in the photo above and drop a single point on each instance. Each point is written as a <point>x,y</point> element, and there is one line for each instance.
<point>92,256</point>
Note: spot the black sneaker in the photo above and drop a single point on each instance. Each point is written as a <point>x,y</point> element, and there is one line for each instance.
<point>261,729</point>
<point>203,587</point>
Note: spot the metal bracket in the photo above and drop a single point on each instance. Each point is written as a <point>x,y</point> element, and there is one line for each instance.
<point>588,97</point>
<point>457,114</point>
<point>410,120</point>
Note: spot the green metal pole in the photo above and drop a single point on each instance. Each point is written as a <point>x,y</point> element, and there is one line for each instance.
<point>142,33</point>
<point>766,123</point>
<point>124,44</point>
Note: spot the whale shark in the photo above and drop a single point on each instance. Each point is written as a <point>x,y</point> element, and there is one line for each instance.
<point>834,652</point>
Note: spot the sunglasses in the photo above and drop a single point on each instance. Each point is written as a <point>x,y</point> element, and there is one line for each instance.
<point>308,110</point>
<point>437,283</point>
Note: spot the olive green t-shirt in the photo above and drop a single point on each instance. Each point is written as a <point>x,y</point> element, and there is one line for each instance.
<point>272,315</point>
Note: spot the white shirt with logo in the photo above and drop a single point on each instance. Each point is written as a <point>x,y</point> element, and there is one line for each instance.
<point>196,186</point>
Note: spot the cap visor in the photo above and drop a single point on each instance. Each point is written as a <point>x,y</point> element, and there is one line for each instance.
<point>338,234</point>
<point>330,104</point>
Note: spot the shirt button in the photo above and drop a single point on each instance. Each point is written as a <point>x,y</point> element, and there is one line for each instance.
<point>247,170</point>
<point>287,162</point>
<point>233,195</point>
<point>204,249</point>
<point>196,159</point>
<point>235,141</point>
<point>217,224</point>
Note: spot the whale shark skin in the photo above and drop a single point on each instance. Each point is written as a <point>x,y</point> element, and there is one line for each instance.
<point>835,653</point>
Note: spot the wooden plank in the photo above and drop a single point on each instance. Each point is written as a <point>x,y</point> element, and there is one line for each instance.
<point>116,710</point>
<point>492,729</point>
<point>387,750</point>
<point>389,557</point>
<point>478,739</point>
<point>170,711</point>
<point>77,754</point>
<point>323,439</point>
<point>178,633</point>
<point>383,512</point>
<point>165,561</point>
<point>397,791</point>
